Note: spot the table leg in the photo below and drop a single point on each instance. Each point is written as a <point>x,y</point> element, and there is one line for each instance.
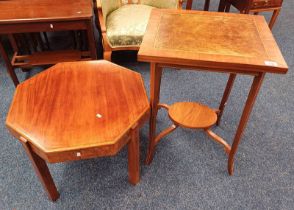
<point>13,42</point>
<point>189,4</point>
<point>9,67</point>
<point>134,157</point>
<point>91,40</point>
<point>46,40</point>
<point>42,171</point>
<point>226,95</point>
<point>206,5</point>
<point>274,18</point>
<point>222,6</point>
<point>155,80</point>
<point>255,87</point>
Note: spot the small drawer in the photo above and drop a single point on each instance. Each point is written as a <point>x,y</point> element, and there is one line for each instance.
<point>260,4</point>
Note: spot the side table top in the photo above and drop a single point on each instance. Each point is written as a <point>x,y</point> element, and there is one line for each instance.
<point>214,40</point>
<point>18,11</point>
<point>77,105</point>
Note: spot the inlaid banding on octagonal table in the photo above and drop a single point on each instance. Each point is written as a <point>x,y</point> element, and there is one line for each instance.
<point>202,35</point>
<point>79,110</point>
<point>63,115</point>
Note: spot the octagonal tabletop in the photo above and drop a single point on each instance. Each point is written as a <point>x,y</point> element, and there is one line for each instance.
<point>78,110</point>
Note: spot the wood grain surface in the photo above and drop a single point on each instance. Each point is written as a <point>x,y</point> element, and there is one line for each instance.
<point>16,11</point>
<point>222,41</point>
<point>192,115</point>
<point>78,105</point>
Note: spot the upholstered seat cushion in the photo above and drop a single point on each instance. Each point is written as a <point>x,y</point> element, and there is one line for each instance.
<point>126,25</point>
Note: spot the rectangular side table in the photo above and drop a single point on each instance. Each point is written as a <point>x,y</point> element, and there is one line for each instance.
<point>209,41</point>
<point>41,16</point>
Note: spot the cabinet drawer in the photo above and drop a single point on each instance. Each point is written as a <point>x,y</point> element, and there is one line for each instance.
<point>260,4</point>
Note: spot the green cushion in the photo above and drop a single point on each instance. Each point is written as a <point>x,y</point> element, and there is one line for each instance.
<point>168,4</point>
<point>108,6</point>
<point>126,25</point>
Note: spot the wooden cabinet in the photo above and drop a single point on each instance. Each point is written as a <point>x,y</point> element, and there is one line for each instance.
<point>253,6</point>
<point>265,4</point>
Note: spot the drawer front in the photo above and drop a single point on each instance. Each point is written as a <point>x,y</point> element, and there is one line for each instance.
<point>43,26</point>
<point>266,4</point>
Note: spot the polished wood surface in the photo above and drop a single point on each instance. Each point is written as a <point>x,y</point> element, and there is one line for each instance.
<point>217,42</point>
<point>221,41</point>
<point>192,115</point>
<point>17,11</point>
<point>79,110</point>
<point>72,106</point>
<point>45,16</point>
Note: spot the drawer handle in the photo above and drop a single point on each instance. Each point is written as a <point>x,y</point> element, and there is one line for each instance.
<point>51,26</point>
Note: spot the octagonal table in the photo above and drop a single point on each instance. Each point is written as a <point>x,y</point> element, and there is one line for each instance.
<point>79,110</point>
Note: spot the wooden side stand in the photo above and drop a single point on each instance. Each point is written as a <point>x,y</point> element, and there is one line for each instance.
<point>155,80</point>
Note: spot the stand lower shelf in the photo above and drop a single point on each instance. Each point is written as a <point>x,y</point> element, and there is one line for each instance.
<point>48,58</point>
<point>194,116</point>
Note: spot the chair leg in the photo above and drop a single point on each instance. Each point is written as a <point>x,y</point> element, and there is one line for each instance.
<point>206,5</point>
<point>227,7</point>
<point>189,4</point>
<point>107,55</point>
<point>222,6</point>
<point>274,18</point>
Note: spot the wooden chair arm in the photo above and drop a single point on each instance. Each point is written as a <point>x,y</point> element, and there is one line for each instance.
<point>98,4</point>
<point>100,16</point>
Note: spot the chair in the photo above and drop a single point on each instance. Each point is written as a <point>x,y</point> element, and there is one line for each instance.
<point>255,6</point>
<point>123,22</point>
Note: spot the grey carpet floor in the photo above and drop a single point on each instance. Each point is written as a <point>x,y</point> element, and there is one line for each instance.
<point>189,170</point>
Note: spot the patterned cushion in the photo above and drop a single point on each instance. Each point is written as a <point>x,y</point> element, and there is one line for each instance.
<point>108,6</point>
<point>126,25</point>
<point>168,4</point>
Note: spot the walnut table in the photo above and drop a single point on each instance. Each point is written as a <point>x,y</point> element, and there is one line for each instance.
<point>208,41</point>
<point>79,110</point>
<point>45,16</point>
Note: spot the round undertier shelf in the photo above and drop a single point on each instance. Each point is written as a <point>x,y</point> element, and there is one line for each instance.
<point>192,115</point>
